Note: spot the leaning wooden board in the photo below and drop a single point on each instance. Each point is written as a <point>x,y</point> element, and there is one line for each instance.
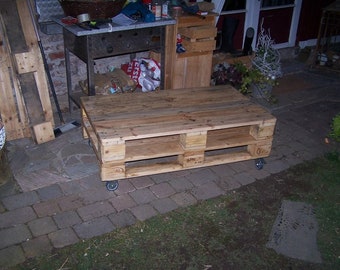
<point>140,134</point>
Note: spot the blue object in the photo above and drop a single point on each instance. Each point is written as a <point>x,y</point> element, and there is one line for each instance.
<point>138,11</point>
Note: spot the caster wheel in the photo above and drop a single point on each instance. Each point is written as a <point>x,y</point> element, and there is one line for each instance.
<point>259,163</point>
<point>112,185</point>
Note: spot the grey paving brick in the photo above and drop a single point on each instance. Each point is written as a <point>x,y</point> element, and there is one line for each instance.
<point>223,170</point>
<point>180,184</point>
<point>95,195</point>
<point>276,166</point>
<point>95,210</point>
<point>227,183</point>
<point>162,190</point>
<point>242,166</point>
<point>63,238</point>
<point>47,208</point>
<point>184,199</point>
<point>67,219</point>
<point>122,202</point>
<point>207,191</point>
<point>164,205</point>
<point>142,196</point>
<point>94,227</point>
<point>14,235</point>
<point>70,202</point>
<point>142,182</point>
<point>125,186</point>
<point>122,219</point>
<point>20,200</point>
<point>143,212</point>
<point>50,192</point>
<point>11,256</point>
<point>92,181</point>
<point>17,216</point>
<point>244,178</point>
<point>42,226</point>
<point>72,187</point>
<point>37,246</point>
<point>201,176</point>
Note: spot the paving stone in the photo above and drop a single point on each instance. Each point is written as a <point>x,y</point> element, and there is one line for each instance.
<point>50,192</point>
<point>143,212</point>
<point>95,210</point>
<point>180,184</point>
<point>92,181</point>
<point>125,186</point>
<point>47,208</point>
<point>143,196</point>
<point>184,199</point>
<point>201,176</point>
<point>95,195</point>
<point>70,202</point>
<point>122,202</point>
<point>14,235</point>
<point>207,191</point>
<point>223,170</point>
<point>242,166</point>
<point>67,219</point>
<point>11,256</point>
<point>276,166</point>
<point>37,246</point>
<point>63,238</point>
<point>94,227</point>
<point>244,178</point>
<point>17,216</point>
<point>164,205</point>
<point>42,226</point>
<point>162,190</point>
<point>142,182</point>
<point>227,183</point>
<point>122,219</point>
<point>20,200</point>
<point>72,187</point>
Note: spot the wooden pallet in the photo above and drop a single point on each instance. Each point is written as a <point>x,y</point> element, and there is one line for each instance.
<point>138,134</point>
<point>25,105</point>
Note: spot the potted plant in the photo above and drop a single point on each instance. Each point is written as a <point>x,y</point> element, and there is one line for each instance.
<point>267,62</point>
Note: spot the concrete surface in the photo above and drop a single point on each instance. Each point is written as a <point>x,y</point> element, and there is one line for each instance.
<point>57,199</point>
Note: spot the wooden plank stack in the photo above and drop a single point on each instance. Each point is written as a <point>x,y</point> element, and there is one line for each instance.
<point>193,67</point>
<point>149,133</point>
<point>25,105</point>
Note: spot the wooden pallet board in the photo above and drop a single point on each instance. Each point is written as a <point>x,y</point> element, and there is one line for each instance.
<point>28,109</point>
<point>148,133</point>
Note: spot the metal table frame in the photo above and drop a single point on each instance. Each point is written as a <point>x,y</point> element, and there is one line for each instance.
<point>108,41</point>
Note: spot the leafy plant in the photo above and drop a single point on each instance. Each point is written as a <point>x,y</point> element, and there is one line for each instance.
<point>335,133</point>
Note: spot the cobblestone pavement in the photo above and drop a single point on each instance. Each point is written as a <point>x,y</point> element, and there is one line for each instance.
<point>57,197</point>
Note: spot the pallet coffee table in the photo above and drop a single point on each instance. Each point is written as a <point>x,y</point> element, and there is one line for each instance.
<point>136,134</point>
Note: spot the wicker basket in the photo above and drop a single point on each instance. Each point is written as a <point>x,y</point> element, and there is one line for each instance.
<point>97,9</point>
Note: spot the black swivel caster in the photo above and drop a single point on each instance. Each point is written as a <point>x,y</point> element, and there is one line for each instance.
<point>112,185</point>
<point>259,163</point>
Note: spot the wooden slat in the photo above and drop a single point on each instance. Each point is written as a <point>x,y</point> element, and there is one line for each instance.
<point>28,110</point>
<point>12,113</point>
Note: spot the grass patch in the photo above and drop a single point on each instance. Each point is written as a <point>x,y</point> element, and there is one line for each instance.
<point>229,232</point>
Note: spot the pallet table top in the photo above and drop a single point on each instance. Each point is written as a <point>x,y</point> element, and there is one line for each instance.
<point>140,115</point>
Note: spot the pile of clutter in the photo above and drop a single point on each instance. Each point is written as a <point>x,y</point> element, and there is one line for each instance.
<point>142,73</point>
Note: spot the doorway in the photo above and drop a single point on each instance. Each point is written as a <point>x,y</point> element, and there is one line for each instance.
<point>278,17</point>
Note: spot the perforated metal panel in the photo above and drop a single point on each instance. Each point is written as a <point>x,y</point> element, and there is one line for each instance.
<point>48,9</point>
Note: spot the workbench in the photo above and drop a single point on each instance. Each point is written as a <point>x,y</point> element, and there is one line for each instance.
<point>113,40</point>
<point>137,134</point>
